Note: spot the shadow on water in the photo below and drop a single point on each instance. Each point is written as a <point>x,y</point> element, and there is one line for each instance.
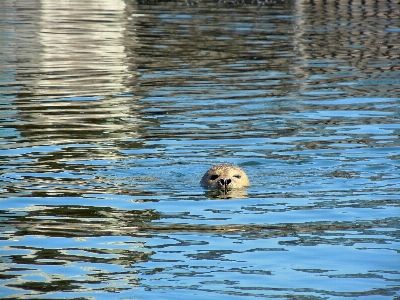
<point>112,110</point>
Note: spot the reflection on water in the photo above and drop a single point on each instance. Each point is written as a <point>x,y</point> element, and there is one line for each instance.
<point>111,111</point>
<point>229,194</point>
<point>68,52</point>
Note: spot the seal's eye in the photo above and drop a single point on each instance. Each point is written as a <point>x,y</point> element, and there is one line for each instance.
<point>213,177</point>
<point>237,176</point>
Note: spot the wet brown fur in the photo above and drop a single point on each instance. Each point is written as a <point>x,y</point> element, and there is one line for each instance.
<point>225,176</point>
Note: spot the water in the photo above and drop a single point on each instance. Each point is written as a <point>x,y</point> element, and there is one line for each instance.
<point>111,111</point>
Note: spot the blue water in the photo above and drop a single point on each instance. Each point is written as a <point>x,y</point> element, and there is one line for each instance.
<point>111,113</point>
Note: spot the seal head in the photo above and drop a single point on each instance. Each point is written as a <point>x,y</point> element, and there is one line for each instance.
<point>225,177</point>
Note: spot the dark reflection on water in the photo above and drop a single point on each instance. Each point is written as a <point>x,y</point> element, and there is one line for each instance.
<point>110,114</point>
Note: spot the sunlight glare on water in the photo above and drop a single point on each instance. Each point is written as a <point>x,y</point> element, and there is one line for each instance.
<point>111,112</point>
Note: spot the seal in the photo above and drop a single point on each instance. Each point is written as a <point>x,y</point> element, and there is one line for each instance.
<point>225,177</point>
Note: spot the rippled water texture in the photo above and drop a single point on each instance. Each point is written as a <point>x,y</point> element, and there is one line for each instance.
<point>111,111</point>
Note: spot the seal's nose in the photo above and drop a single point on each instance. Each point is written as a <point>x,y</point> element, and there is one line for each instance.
<point>224,181</point>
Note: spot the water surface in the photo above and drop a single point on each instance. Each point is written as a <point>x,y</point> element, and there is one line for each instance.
<point>111,111</point>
